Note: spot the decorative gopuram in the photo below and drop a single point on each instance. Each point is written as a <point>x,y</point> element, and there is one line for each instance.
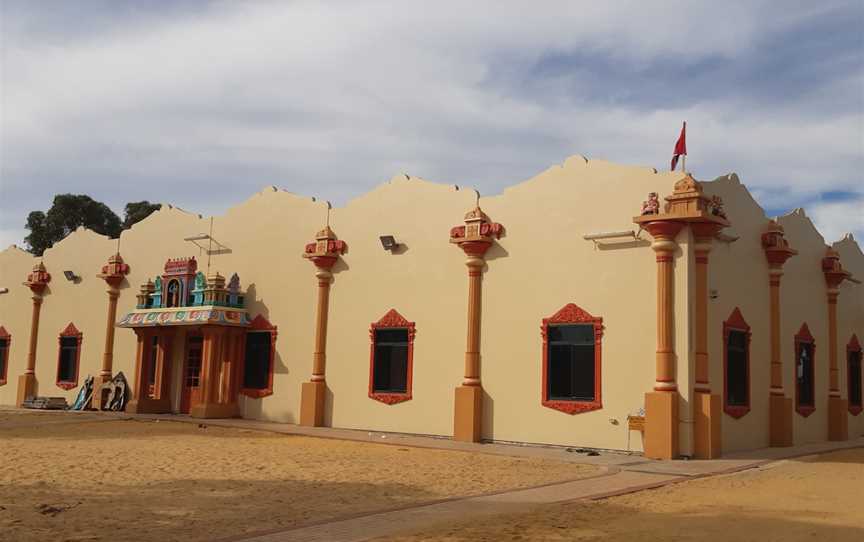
<point>687,206</point>
<point>197,322</point>
<point>474,238</point>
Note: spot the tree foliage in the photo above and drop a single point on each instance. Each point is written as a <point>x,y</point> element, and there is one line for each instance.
<point>70,211</point>
<point>137,211</point>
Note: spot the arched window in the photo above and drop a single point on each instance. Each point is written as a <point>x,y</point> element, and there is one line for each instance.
<point>391,358</point>
<point>736,365</point>
<point>5,343</point>
<point>853,375</point>
<point>68,357</point>
<point>805,372</point>
<point>572,340</point>
<point>173,294</point>
<point>258,361</point>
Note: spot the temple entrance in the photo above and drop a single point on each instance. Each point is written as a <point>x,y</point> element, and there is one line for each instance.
<point>191,392</point>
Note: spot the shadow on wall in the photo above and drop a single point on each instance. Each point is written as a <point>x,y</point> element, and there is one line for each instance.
<point>487,429</point>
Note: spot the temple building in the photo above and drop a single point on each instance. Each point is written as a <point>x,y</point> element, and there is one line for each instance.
<point>594,305</point>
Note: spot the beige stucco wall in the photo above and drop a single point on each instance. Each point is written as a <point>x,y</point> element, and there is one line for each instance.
<point>739,273</point>
<point>539,265</point>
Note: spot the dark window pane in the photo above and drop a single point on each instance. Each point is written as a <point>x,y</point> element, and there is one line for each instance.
<point>256,370</point>
<point>736,369</point>
<point>571,369</point>
<point>391,335</point>
<point>572,334</point>
<point>855,378</point>
<point>804,375</point>
<point>4,354</point>
<point>68,359</point>
<point>390,366</point>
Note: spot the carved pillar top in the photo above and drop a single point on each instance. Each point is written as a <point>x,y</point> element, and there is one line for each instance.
<point>833,270</point>
<point>477,234</point>
<point>326,249</point>
<point>114,271</point>
<point>38,279</point>
<point>687,204</point>
<point>775,245</point>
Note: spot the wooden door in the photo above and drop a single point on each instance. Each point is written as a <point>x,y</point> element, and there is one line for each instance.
<point>191,394</point>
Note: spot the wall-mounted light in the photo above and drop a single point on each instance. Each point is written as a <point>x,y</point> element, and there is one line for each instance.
<point>713,294</point>
<point>70,276</point>
<point>388,242</point>
<point>4,290</point>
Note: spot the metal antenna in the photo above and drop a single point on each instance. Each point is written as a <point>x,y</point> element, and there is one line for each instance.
<point>328,213</point>
<point>209,245</point>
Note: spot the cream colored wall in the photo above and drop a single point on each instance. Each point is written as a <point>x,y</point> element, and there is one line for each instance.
<point>540,265</point>
<point>738,271</point>
<point>850,308</point>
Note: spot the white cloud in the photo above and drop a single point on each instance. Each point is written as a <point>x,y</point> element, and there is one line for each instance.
<point>331,98</point>
<point>837,218</point>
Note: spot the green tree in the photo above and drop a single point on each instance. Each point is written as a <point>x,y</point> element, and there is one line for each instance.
<point>137,211</point>
<point>67,213</point>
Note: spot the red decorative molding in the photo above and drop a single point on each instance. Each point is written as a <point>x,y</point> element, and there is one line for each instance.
<point>4,360</point>
<point>69,331</point>
<point>260,324</point>
<point>573,314</point>
<point>851,348</point>
<point>735,322</point>
<point>392,320</point>
<point>663,229</point>
<point>804,337</point>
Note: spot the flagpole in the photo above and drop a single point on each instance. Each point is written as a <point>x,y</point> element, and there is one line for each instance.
<point>684,163</point>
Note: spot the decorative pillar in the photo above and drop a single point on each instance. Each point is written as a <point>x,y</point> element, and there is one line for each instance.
<point>706,406</point>
<point>474,238</point>
<point>37,280</point>
<point>324,253</point>
<point>838,422</point>
<point>112,274</point>
<point>142,401</point>
<point>686,205</point>
<point>777,251</point>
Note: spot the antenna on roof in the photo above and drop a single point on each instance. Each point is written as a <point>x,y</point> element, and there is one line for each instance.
<point>220,248</point>
<point>328,212</point>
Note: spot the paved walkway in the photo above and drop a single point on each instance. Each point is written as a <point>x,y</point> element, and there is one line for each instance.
<point>618,474</point>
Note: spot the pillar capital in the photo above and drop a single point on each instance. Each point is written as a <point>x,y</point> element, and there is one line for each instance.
<point>476,235</point>
<point>775,245</point>
<point>114,271</point>
<point>834,272</point>
<point>38,279</point>
<point>326,249</point>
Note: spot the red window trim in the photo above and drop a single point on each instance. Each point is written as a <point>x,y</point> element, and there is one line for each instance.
<point>70,331</point>
<point>853,346</point>
<point>392,320</point>
<point>260,324</point>
<point>573,314</point>
<point>735,322</point>
<point>804,337</point>
<point>5,335</point>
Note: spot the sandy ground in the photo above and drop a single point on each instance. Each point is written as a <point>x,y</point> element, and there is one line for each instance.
<point>66,477</point>
<point>817,499</point>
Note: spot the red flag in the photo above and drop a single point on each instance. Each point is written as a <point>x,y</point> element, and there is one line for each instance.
<point>680,146</point>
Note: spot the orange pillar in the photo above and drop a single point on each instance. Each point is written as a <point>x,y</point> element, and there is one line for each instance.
<point>37,280</point>
<point>706,406</point>
<point>112,274</point>
<point>838,421</point>
<point>324,253</point>
<point>661,405</point>
<point>475,237</point>
<point>777,251</point>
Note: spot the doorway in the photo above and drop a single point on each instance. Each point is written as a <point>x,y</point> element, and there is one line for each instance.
<point>191,390</point>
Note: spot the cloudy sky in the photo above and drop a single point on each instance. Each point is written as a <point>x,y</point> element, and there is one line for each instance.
<point>201,103</point>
